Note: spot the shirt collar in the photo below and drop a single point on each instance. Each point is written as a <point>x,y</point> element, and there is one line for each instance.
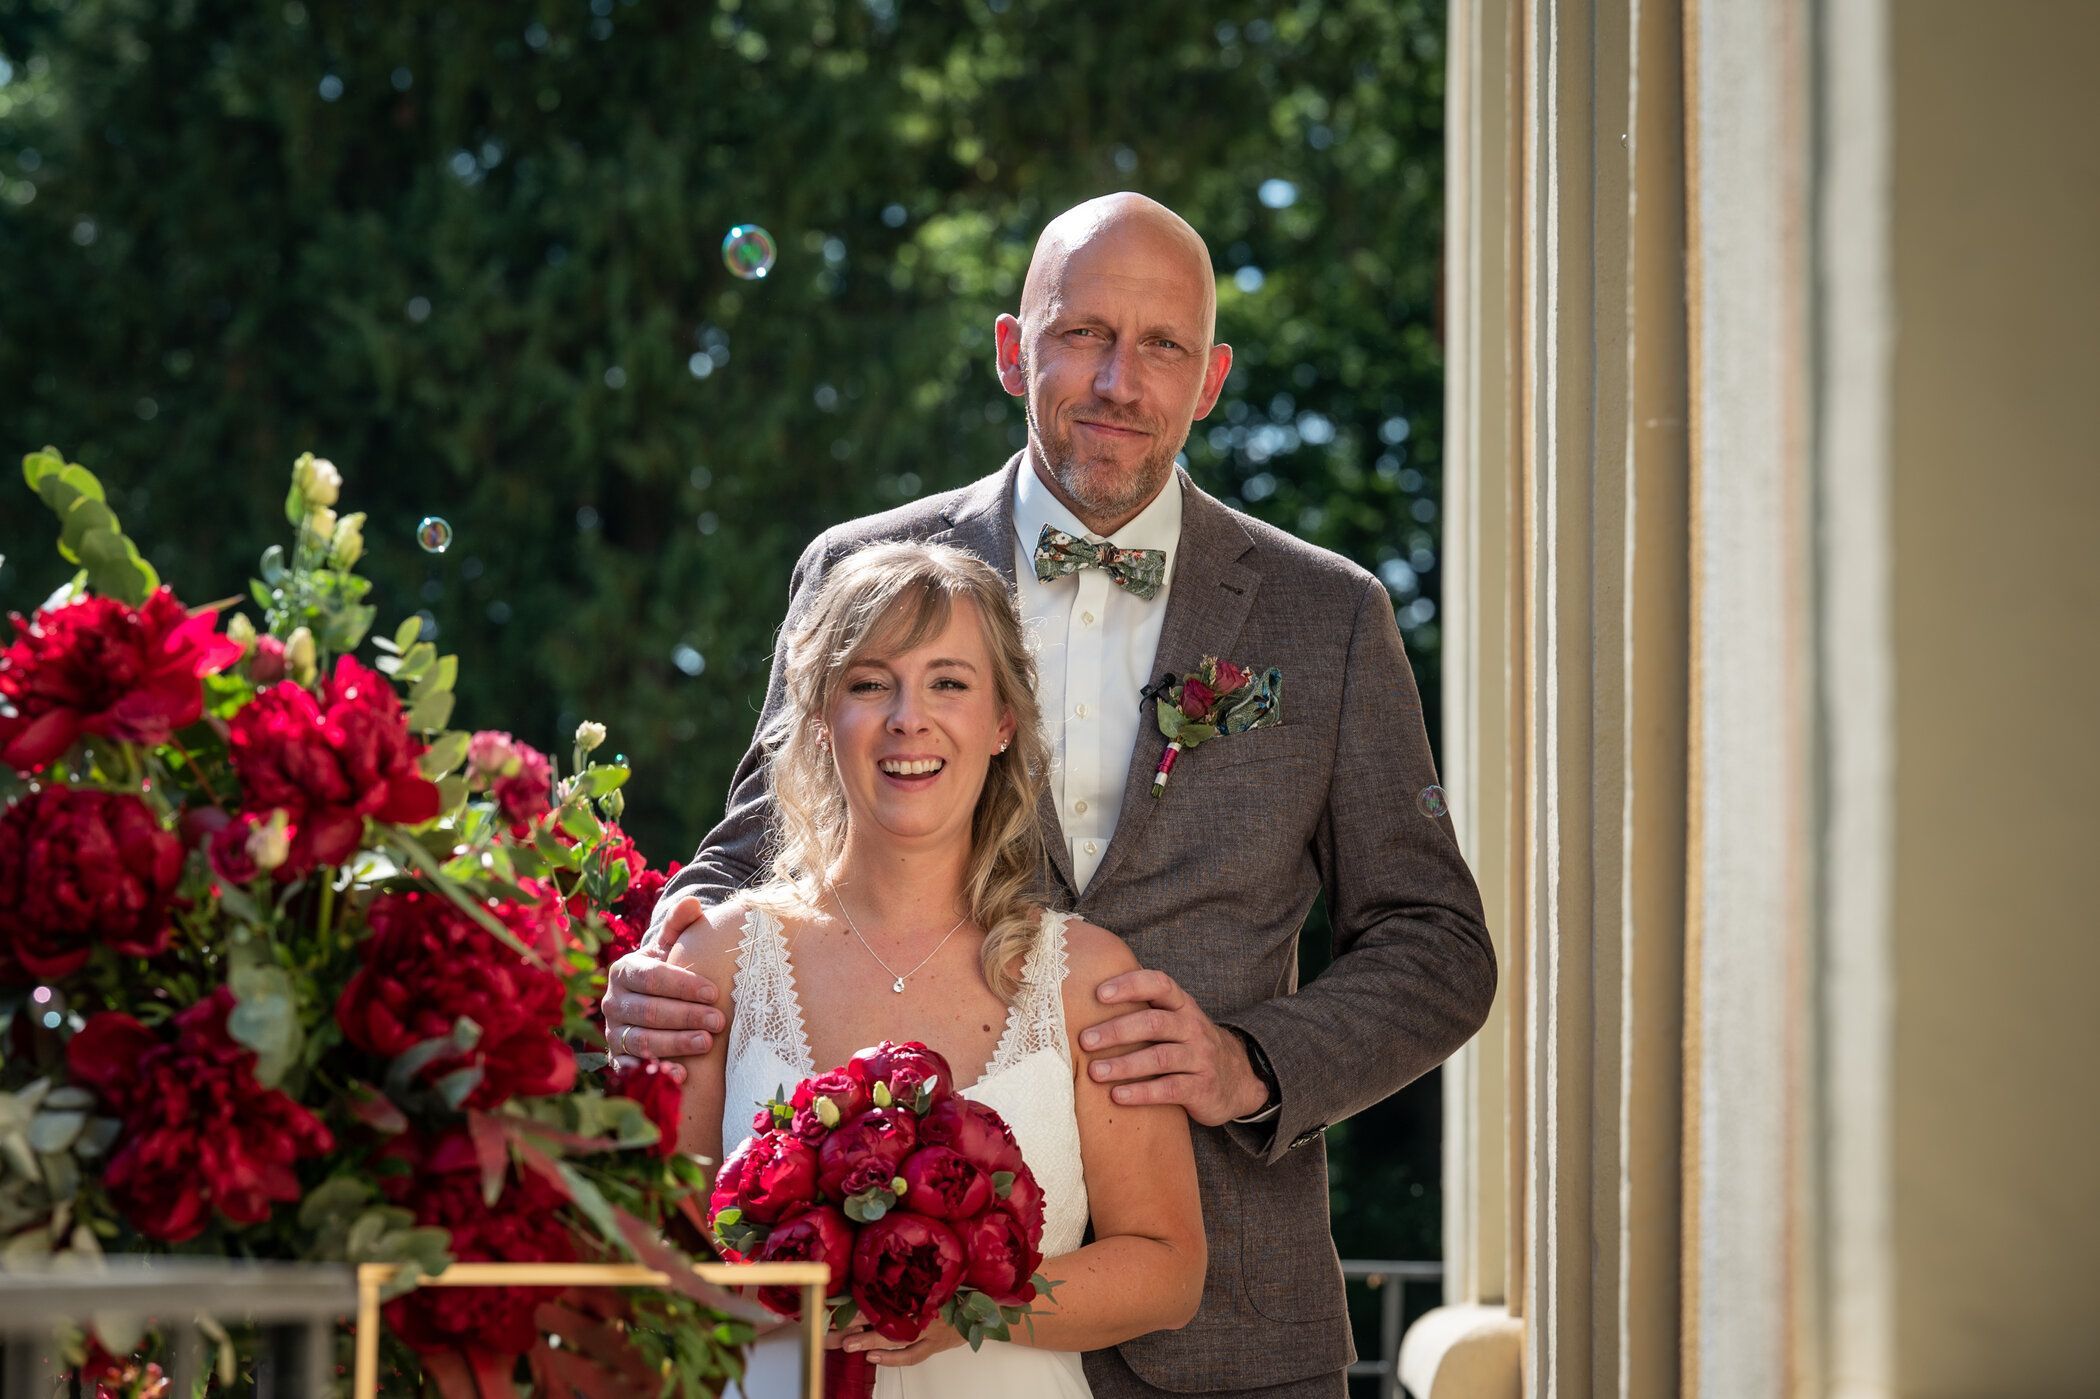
<point>1157,526</point>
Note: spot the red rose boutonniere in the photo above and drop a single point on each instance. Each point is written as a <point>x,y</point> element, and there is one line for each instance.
<point>1218,697</point>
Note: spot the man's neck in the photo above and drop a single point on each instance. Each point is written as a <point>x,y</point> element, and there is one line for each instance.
<point>1102,525</point>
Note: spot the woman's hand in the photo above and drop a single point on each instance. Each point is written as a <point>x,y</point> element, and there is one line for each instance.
<point>881,1350</point>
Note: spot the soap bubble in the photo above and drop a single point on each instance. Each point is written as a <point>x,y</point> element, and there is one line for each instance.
<point>1432,802</point>
<point>747,251</point>
<point>434,534</point>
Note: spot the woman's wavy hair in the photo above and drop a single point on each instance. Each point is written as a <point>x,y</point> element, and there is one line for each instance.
<point>884,599</point>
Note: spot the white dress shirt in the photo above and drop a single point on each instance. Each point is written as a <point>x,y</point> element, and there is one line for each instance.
<point>1095,648</point>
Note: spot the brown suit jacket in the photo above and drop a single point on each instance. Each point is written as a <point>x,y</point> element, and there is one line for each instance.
<point>1211,883</point>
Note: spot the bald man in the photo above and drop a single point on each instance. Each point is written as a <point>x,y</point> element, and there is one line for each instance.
<point>1114,355</point>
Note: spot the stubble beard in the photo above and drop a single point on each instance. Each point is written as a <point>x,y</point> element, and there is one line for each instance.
<point>1102,490</point>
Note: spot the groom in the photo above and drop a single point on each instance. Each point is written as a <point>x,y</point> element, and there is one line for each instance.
<point>1209,882</point>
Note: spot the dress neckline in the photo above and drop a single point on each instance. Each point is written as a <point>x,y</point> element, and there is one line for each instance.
<point>769,925</point>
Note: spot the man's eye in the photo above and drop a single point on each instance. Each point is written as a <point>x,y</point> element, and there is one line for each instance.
<point>1167,345</point>
<point>1082,330</point>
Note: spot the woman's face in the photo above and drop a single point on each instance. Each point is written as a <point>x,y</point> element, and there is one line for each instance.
<point>913,733</point>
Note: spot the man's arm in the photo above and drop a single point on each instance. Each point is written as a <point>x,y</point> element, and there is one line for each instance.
<point>1414,970</point>
<point>664,1012</point>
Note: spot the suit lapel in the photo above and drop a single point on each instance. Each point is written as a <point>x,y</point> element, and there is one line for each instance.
<point>1207,605</point>
<point>982,521</point>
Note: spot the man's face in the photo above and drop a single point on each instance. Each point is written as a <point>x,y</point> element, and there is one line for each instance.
<point>1115,363</point>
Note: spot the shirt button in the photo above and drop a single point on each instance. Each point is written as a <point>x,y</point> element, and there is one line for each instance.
<point>1079,807</point>
<point>1086,618</point>
<point>1092,848</point>
<point>1080,710</point>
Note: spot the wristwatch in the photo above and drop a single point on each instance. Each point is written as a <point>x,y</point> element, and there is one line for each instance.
<point>1272,1103</point>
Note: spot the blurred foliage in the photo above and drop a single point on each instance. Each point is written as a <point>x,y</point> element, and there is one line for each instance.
<point>471,253</point>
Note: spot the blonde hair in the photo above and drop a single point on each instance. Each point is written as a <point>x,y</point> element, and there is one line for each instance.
<point>881,600</point>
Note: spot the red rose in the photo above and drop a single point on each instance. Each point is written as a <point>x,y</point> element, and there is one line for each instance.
<point>847,1092</point>
<point>905,1266</point>
<point>978,1134</point>
<point>82,869</point>
<point>443,1187</point>
<point>199,1132</point>
<point>427,964</point>
<point>1196,698</point>
<point>1024,1201</point>
<point>818,1235</point>
<point>904,1067</point>
<point>941,1183</point>
<point>779,1177</point>
<point>1230,677</point>
<point>331,762</point>
<point>1001,1259</point>
<point>651,1085</point>
<point>517,773</point>
<point>865,1152</point>
<point>96,666</point>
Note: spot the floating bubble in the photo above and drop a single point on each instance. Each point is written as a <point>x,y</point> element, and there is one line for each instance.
<point>434,534</point>
<point>748,251</point>
<point>42,995</point>
<point>1432,802</point>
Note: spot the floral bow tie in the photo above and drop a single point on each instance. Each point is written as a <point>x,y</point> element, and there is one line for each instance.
<point>1136,571</point>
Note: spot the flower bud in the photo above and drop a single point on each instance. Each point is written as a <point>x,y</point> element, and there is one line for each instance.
<point>240,630</point>
<point>270,844</point>
<point>615,804</point>
<point>589,735</point>
<point>349,544</point>
<point>322,523</point>
<point>299,658</point>
<point>319,483</point>
<point>266,663</point>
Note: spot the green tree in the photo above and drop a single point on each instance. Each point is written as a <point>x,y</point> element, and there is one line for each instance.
<point>471,253</point>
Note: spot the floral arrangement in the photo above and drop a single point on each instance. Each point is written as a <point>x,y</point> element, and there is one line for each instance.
<point>290,968</point>
<point>1217,698</point>
<point>916,1199</point>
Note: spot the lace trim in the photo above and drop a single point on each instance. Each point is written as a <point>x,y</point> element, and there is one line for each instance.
<point>767,1005</point>
<point>1036,1021</point>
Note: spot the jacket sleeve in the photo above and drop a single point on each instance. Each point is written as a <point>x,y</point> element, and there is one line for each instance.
<point>734,852</point>
<point>1413,973</point>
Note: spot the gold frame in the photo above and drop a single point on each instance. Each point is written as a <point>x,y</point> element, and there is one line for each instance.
<point>810,1278</point>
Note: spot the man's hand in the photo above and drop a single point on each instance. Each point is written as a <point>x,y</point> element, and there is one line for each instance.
<point>1187,1057</point>
<point>654,1010</point>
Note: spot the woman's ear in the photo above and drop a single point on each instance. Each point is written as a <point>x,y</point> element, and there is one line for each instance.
<point>1007,727</point>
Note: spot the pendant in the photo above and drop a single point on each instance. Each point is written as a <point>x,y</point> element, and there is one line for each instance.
<point>898,986</point>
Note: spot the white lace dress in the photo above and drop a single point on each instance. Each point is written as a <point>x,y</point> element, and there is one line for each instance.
<point>1028,1082</point>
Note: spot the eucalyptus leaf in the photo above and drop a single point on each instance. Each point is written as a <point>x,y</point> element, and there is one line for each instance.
<point>446,752</point>
<point>432,714</point>
<point>51,1131</point>
<point>405,635</point>
<point>266,1019</point>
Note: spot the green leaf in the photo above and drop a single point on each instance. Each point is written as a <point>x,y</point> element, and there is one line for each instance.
<point>604,778</point>
<point>416,660</point>
<point>273,570</point>
<point>583,823</point>
<point>432,714</point>
<point>456,1086</point>
<point>405,635</point>
<point>447,751</point>
<point>1002,1183</point>
<point>266,1019</point>
<point>55,1131</point>
<point>115,569</point>
<point>440,679</point>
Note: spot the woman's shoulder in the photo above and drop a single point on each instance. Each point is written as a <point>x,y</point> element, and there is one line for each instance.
<point>712,941</point>
<point>1092,955</point>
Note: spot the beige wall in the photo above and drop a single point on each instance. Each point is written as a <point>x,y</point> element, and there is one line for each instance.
<point>1995,505</point>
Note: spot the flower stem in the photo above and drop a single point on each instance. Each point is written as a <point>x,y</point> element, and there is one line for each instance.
<point>195,770</point>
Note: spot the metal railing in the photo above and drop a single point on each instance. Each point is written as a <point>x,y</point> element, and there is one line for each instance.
<point>1389,1279</point>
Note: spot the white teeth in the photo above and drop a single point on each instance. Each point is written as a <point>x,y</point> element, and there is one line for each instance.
<point>917,768</point>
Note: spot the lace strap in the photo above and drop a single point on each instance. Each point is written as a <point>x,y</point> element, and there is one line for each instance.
<point>1038,1020</point>
<point>767,1007</point>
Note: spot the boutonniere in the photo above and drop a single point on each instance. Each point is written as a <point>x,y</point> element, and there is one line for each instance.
<point>1217,698</point>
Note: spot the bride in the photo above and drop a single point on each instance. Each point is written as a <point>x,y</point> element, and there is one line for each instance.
<point>906,769</point>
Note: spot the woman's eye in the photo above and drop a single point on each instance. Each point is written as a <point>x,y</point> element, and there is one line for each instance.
<point>862,687</point>
<point>949,685</point>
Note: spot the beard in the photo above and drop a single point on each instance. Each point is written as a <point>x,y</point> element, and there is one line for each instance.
<point>1103,486</point>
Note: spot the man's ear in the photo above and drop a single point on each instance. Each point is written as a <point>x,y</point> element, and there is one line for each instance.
<point>1006,355</point>
<point>1214,374</point>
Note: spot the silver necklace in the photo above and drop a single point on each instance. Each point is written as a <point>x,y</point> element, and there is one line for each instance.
<point>896,985</point>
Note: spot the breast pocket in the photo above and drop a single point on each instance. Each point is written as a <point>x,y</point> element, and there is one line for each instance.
<point>1292,749</point>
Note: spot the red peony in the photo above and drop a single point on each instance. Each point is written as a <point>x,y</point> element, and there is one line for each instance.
<point>847,1093</point>
<point>976,1132</point>
<point>1196,698</point>
<point>904,1067</point>
<point>427,964</point>
<point>199,1133</point>
<point>1024,1201</point>
<point>331,762</point>
<point>97,666</point>
<point>905,1266</point>
<point>942,1183</point>
<point>1001,1262</point>
<point>82,869</point>
<point>651,1085</point>
<point>443,1187</point>
<point>778,1177</point>
<point>866,1152</point>
<point>729,1179</point>
<point>818,1235</point>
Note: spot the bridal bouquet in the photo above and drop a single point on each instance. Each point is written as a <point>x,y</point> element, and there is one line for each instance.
<point>290,968</point>
<point>916,1199</point>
